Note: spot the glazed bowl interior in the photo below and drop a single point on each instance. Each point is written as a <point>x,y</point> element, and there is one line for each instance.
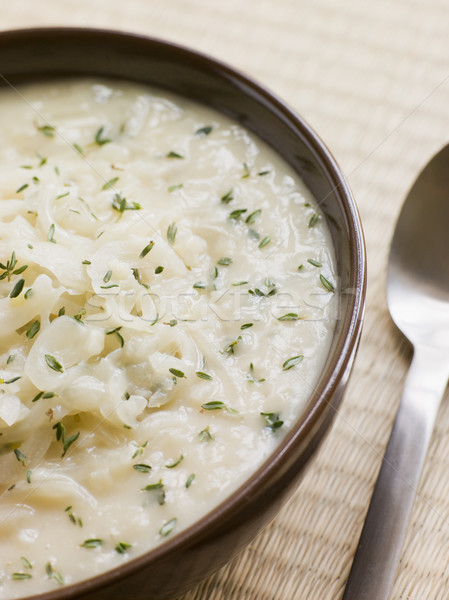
<point>31,55</point>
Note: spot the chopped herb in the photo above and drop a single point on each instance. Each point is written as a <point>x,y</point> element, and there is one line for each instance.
<point>272,420</point>
<point>62,195</point>
<point>33,329</point>
<point>137,278</point>
<point>291,362</point>
<point>205,376</point>
<point>205,435</point>
<point>118,334</point>
<point>199,285</point>
<point>177,373</point>
<point>29,473</point>
<point>155,320</point>
<point>13,379</point>
<point>28,293</point>
<point>172,322</point>
<point>108,276</point>
<point>47,130</point>
<point>26,563</point>
<point>20,270</point>
<point>86,262</point>
<point>246,325</point>
<point>230,347</point>
<point>139,449</point>
<point>203,131</point>
<point>218,405</point>
<point>226,198</point>
<point>246,172</point>
<point>250,219</point>
<point>171,233</point>
<point>262,173</point>
<point>9,267</point>
<point>253,234</point>
<point>78,148</point>
<point>92,543</point>
<point>190,480</point>
<point>71,516</point>
<point>61,436</point>
<point>168,527</point>
<point>158,488</point>
<point>173,154</point>
<point>300,267</point>
<point>236,214</point>
<point>99,139</point>
<point>158,270</point>
<point>289,317</point>
<point>266,240</point>
<point>240,283</point>
<point>176,463</point>
<point>110,183</point>
<point>109,286</point>
<point>21,576</point>
<point>224,262</point>
<point>17,288</point>
<point>327,284</point>
<point>314,219</point>
<point>49,395</point>
<point>250,375</point>
<point>53,574</point>
<point>173,188</point>
<point>122,547</point>
<point>79,314</point>
<point>147,249</point>
<point>37,397</point>
<point>314,262</point>
<point>142,468</point>
<point>21,457</point>
<point>120,204</point>
<point>10,359</point>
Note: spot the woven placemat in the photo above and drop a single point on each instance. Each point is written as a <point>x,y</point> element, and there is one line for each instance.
<point>372,78</point>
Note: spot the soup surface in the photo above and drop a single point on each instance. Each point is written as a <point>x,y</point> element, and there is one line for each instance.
<point>167,300</point>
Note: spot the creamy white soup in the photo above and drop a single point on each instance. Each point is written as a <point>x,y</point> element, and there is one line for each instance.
<point>167,300</point>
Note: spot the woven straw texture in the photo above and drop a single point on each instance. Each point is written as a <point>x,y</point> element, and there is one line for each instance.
<point>373,79</point>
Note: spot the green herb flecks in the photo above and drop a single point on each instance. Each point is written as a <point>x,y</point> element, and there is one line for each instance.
<point>246,326</point>
<point>122,547</point>
<point>218,405</point>
<point>168,527</point>
<point>158,490</point>
<point>246,172</point>
<point>51,234</point>
<point>110,183</point>
<point>16,290</point>
<point>116,331</point>
<point>224,262</point>
<point>26,563</point>
<point>173,154</point>
<point>33,329</point>
<point>250,219</point>
<point>53,363</point>
<point>250,376</point>
<point>228,197</point>
<point>175,187</point>
<point>171,233</point>
<point>272,420</point>
<point>100,139</point>
<point>142,468</point>
<point>61,436</point>
<point>203,131</point>
<point>158,270</point>
<point>205,435</point>
<point>289,317</point>
<point>52,574</point>
<point>21,457</point>
<point>236,214</point>
<point>292,362</point>
<point>120,204</point>
<point>177,373</point>
<point>266,240</point>
<point>175,463</point>
<point>190,480</point>
<point>18,576</point>
<point>92,543</point>
<point>139,449</point>
<point>47,130</point>
<point>205,376</point>
<point>73,519</point>
<point>146,250</point>
<point>22,188</point>
<point>327,284</point>
<point>314,263</point>
<point>314,220</point>
<point>230,348</point>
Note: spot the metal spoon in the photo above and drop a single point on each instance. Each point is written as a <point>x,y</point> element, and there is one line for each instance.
<point>418,300</point>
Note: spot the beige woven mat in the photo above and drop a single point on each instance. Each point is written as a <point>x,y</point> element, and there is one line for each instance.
<point>372,78</point>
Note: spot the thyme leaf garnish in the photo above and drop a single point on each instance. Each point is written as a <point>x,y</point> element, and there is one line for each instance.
<point>291,362</point>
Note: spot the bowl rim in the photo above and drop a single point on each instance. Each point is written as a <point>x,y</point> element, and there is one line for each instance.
<point>319,399</point>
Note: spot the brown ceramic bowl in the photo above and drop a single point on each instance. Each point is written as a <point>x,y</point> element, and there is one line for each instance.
<point>198,551</point>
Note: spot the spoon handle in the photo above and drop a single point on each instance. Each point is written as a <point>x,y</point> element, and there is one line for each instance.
<point>377,557</point>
